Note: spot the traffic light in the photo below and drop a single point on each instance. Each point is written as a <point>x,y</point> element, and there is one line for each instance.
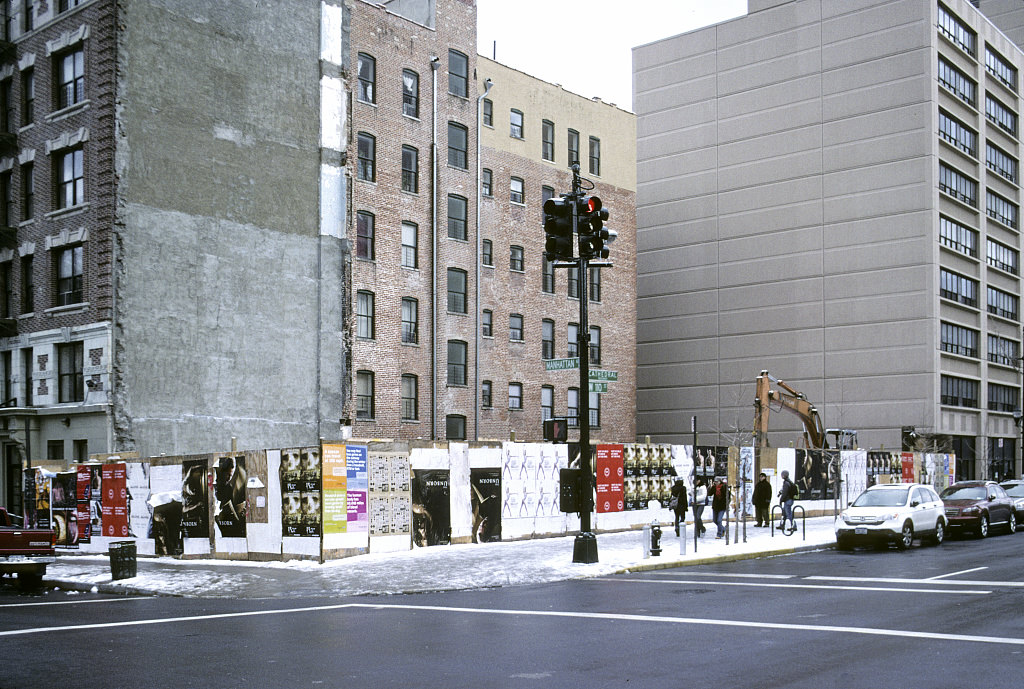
<point>558,227</point>
<point>593,237</point>
<point>556,430</point>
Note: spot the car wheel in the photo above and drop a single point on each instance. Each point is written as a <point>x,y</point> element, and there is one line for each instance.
<point>906,536</point>
<point>1011,526</point>
<point>940,533</point>
<point>983,526</point>
<point>844,544</point>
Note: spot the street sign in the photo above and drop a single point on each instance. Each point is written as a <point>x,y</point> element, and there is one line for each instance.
<point>600,374</point>
<point>561,364</point>
<point>598,387</point>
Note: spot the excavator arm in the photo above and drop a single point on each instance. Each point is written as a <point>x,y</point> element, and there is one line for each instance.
<point>770,389</point>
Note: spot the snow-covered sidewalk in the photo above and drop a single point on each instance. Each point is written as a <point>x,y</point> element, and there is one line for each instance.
<point>427,569</point>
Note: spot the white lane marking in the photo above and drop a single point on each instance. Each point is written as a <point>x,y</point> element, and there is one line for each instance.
<point>799,586</point>
<point>944,582</point>
<point>74,602</point>
<point>731,576</point>
<point>703,621</point>
<point>954,574</point>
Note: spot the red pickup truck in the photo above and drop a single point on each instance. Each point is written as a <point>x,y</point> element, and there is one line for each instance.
<point>25,552</point>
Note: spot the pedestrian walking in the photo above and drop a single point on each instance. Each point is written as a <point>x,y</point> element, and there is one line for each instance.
<point>678,502</point>
<point>762,500</point>
<point>700,499</point>
<point>787,494</point>
<point>720,504</point>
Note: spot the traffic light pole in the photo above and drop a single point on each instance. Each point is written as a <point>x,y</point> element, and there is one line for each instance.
<point>585,546</point>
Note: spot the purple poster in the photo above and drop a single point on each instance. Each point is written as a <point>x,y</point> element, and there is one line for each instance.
<point>358,486</point>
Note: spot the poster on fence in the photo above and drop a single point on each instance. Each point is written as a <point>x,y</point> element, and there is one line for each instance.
<point>345,480</point>
<point>485,499</point>
<point>610,484</point>
<point>431,507</point>
<point>115,501</point>
<point>195,508</point>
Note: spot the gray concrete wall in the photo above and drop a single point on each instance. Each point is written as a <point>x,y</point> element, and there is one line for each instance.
<point>785,187</point>
<point>217,298</point>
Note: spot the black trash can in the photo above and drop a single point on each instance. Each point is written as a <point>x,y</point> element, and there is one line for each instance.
<point>122,560</point>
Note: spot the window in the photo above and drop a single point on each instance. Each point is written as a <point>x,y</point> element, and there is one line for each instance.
<point>1003,351</point>
<point>410,320</point>
<point>547,402</point>
<point>66,5</point>
<point>595,410</point>
<point>455,427</point>
<point>7,218</point>
<point>515,259</point>
<point>456,217</point>
<point>26,367</point>
<point>573,147</point>
<point>28,191</point>
<point>1003,398</point>
<point>515,395</point>
<point>28,290</point>
<point>958,134</point>
<point>595,156</point>
<point>957,339</point>
<point>1003,117</point>
<point>28,22</point>
<point>488,114</point>
<point>547,140</point>
<point>69,276</point>
<point>410,169</point>
<point>458,137</point>
<point>456,362</point>
<point>365,239</point>
<point>958,288</point>
<point>8,121</point>
<point>71,382</point>
<point>958,237</point>
<point>487,323</point>
<point>573,279</point>
<point>955,30</point>
<point>595,285</point>
<point>485,394</point>
<point>456,290</point>
<point>366,151</point>
<point>1001,162</point>
<point>28,96</point>
<point>367,69</point>
<point>573,350</point>
<point>70,178</point>
<point>516,194</point>
<point>1003,210</point>
<point>572,411</point>
<point>595,345</point>
<point>410,245</point>
<point>486,253</point>
<point>998,67</point>
<point>7,290</point>
<point>959,392</point>
<point>957,83</point>
<point>547,339</point>
<point>364,395</point>
<point>365,315</point>
<point>958,186</point>
<point>458,74</point>
<point>515,327</point>
<point>1001,256</point>
<point>486,185</point>
<point>1002,303</point>
<point>70,78</point>
<point>546,193</point>
<point>55,450</point>
<point>516,124</point>
<point>8,381</point>
<point>548,276</point>
<point>410,397</point>
<point>410,93</point>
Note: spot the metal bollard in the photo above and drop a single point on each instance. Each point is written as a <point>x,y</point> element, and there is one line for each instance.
<point>682,539</point>
<point>647,541</point>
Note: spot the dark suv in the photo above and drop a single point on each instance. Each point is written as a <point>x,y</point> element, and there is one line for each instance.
<point>978,506</point>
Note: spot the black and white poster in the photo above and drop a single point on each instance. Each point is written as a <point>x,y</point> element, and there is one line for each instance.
<point>816,471</point>
<point>229,493</point>
<point>485,488</point>
<point>195,510</point>
<point>431,507</point>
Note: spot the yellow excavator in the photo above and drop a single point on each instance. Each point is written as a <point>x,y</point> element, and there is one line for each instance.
<point>772,390</point>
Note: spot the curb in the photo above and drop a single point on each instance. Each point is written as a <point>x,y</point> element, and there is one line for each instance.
<point>670,564</point>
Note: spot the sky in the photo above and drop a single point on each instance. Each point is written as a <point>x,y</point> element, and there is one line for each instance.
<point>586,45</point>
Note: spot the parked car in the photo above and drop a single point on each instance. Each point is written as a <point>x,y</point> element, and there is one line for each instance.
<point>978,507</point>
<point>1015,489</point>
<point>892,513</point>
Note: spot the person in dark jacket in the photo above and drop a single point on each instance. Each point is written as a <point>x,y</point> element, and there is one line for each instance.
<point>762,500</point>
<point>679,495</point>
<point>720,505</point>
<point>787,494</point>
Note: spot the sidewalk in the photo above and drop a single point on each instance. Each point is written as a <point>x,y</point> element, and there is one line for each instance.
<point>428,569</point>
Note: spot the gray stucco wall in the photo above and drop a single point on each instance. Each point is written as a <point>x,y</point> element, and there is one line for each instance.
<point>217,268</point>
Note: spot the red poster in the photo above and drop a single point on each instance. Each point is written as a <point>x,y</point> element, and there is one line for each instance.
<point>83,495</point>
<point>115,501</point>
<point>610,477</point>
<point>907,460</point>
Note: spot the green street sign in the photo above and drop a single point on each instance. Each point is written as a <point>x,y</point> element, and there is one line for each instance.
<point>600,374</point>
<point>561,364</point>
<point>598,387</point>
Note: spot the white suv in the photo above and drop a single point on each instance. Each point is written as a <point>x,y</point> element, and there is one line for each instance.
<point>892,513</point>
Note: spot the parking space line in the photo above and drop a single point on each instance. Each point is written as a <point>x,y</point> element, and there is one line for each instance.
<point>732,576</point>
<point>954,574</point>
<point>74,602</point>
<point>944,582</point>
<point>883,589</point>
